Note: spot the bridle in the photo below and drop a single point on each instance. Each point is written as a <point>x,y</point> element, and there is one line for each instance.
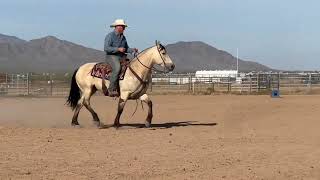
<point>136,55</point>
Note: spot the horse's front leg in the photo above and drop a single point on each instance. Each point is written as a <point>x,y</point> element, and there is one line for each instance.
<point>145,98</point>
<point>121,104</point>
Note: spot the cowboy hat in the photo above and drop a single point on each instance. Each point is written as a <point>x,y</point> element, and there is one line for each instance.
<point>118,22</point>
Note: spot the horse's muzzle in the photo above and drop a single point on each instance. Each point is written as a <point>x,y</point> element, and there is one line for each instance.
<point>171,67</point>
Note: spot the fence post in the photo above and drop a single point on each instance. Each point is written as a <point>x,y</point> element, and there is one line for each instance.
<point>7,86</point>
<point>279,81</point>
<point>250,84</point>
<point>51,84</point>
<point>190,83</point>
<point>28,84</point>
<point>310,82</point>
<point>269,82</point>
<point>229,84</point>
<point>212,91</point>
<point>258,81</point>
<point>17,83</point>
<point>151,83</point>
<point>193,90</point>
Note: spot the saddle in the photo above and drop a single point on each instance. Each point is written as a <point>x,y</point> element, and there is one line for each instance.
<point>103,70</point>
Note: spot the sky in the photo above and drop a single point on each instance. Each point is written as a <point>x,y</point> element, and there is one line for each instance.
<point>281,34</point>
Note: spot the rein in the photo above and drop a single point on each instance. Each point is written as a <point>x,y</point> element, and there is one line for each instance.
<point>144,83</point>
<point>152,68</point>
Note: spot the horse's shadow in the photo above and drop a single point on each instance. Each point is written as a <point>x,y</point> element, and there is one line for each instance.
<point>163,125</point>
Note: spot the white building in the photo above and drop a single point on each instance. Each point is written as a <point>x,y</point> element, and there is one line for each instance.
<point>171,80</point>
<point>217,73</point>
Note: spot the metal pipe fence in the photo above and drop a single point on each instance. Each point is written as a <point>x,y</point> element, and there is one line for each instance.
<point>54,84</point>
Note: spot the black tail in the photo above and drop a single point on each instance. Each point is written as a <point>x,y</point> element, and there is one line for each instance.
<point>74,94</point>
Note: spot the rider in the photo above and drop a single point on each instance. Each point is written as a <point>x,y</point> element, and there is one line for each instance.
<point>116,47</point>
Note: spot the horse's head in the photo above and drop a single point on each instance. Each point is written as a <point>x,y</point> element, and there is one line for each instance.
<point>163,58</point>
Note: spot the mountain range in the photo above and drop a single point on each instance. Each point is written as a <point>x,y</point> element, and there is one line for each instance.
<point>50,54</point>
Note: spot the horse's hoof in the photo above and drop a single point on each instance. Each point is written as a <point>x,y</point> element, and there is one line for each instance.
<point>77,126</point>
<point>117,126</point>
<point>147,124</point>
<point>97,123</point>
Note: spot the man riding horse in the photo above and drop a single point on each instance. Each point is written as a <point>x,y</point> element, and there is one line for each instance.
<point>116,48</point>
<point>135,81</point>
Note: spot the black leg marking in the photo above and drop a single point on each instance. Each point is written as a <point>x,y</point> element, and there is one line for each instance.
<point>93,113</point>
<point>74,121</point>
<point>150,114</point>
<point>121,105</point>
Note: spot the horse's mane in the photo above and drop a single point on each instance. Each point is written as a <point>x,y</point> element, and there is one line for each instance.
<point>141,53</point>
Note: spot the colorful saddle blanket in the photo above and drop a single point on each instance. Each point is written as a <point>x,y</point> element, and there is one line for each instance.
<point>104,69</point>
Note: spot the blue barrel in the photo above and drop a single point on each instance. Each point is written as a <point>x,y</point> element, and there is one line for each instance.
<point>275,93</point>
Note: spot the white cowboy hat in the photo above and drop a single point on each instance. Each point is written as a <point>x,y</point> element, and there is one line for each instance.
<point>119,22</point>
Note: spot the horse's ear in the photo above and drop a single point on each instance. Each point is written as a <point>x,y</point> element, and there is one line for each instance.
<point>157,43</point>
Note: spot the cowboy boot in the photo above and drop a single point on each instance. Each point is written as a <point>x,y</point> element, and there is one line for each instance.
<point>113,93</point>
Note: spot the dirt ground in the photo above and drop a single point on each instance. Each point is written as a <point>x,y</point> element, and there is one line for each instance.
<point>193,137</point>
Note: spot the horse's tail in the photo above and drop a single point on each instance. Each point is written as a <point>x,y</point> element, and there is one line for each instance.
<point>74,94</point>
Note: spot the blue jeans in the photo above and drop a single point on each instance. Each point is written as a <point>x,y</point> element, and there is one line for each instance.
<point>114,61</point>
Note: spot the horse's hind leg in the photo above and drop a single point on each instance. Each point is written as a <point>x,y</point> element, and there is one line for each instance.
<point>86,103</point>
<point>145,98</point>
<point>74,121</point>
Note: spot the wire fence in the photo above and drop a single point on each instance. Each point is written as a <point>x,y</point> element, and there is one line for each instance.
<point>53,84</point>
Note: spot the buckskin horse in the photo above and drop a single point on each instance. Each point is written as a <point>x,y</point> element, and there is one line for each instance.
<point>133,86</point>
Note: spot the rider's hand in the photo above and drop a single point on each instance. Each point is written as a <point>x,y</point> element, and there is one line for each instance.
<point>122,50</point>
<point>135,50</point>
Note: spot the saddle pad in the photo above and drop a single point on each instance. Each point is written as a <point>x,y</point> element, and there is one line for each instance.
<point>104,69</point>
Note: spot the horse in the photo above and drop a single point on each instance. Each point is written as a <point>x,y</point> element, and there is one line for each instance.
<point>133,86</point>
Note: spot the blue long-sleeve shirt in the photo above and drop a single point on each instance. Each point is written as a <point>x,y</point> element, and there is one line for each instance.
<point>113,41</point>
